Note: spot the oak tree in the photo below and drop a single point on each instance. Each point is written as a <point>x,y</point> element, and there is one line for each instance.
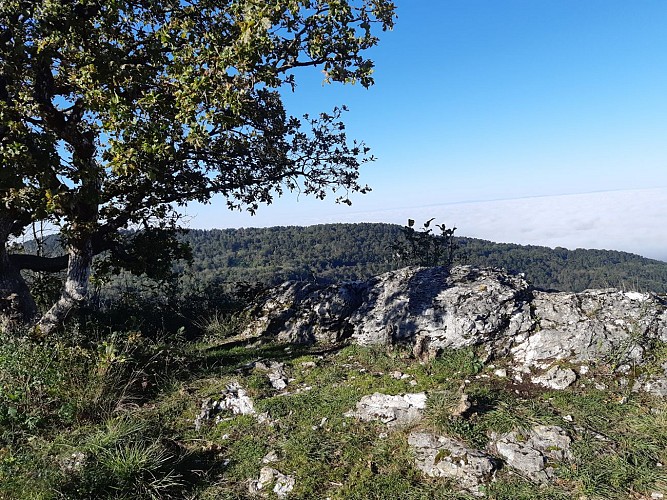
<point>113,113</point>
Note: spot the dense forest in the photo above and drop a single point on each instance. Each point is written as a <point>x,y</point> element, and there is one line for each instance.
<point>356,251</point>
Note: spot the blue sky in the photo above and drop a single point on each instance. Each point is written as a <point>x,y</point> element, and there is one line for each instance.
<point>483,100</point>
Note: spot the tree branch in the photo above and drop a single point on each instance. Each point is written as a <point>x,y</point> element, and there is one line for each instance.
<point>38,263</point>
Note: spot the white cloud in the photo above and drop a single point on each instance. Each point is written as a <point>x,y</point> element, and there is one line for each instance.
<point>628,220</point>
<point>632,220</point>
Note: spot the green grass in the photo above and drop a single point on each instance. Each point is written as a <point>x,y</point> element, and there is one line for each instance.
<point>127,406</point>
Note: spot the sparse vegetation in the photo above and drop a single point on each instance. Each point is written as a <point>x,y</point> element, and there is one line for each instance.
<point>115,419</point>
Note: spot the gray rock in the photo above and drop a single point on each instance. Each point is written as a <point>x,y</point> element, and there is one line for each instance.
<point>233,399</point>
<point>441,456</point>
<point>657,386</point>
<point>432,309</point>
<point>595,325</point>
<point>530,452</point>
<point>283,484</point>
<point>463,406</point>
<point>556,378</point>
<point>394,411</point>
<point>302,312</point>
<point>73,462</point>
<point>464,307</point>
<point>275,372</point>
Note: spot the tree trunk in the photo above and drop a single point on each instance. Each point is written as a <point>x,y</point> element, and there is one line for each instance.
<point>75,291</point>
<point>17,306</point>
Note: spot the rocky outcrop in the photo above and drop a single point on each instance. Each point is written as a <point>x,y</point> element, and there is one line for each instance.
<point>433,309</point>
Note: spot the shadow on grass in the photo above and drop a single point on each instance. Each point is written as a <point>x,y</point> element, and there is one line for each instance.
<point>239,355</point>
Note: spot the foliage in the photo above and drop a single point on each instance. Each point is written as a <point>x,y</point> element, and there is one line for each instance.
<point>332,252</point>
<point>423,248</point>
<point>114,114</point>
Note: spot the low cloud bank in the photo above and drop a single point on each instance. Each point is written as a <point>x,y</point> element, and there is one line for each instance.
<point>631,220</point>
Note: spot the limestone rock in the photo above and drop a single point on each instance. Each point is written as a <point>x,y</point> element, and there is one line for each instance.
<point>275,372</point>
<point>233,399</point>
<point>556,378</point>
<point>464,307</point>
<point>530,452</point>
<point>283,484</point>
<point>593,325</point>
<point>394,411</point>
<point>463,406</point>
<point>441,456</point>
<point>433,309</point>
<point>302,312</point>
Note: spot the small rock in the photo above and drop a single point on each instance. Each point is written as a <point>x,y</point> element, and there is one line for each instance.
<point>270,457</point>
<point>392,410</point>
<point>657,495</point>
<point>275,372</point>
<point>397,375</point>
<point>233,399</point>
<point>463,406</point>
<point>283,484</point>
<point>441,456</point>
<point>500,372</point>
<point>568,418</point>
<point>73,462</point>
<point>529,451</point>
<point>583,369</point>
<point>413,383</point>
<point>624,369</point>
<point>556,378</point>
<point>656,386</point>
<point>309,364</point>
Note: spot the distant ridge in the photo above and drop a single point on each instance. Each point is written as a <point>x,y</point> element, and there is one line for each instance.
<point>356,251</point>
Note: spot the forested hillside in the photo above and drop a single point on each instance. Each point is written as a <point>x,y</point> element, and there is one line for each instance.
<point>356,251</point>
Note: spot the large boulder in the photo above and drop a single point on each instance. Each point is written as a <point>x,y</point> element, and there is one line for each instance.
<point>437,309</point>
<point>609,325</point>
<point>433,309</point>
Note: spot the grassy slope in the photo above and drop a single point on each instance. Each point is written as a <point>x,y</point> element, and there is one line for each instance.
<point>115,420</point>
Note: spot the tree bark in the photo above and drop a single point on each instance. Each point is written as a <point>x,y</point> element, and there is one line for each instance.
<point>16,303</point>
<point>75,290</point>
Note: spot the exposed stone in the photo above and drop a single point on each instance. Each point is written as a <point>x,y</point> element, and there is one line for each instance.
<point>556,378</point>
<point>432,309</point>
<point>655,385</point>
<point>441,456</point>
<point>73,462</point>
<point>436,308</point>
<point>270,457</point>
<point>283,484</point>
<point>275,372</point>
<point>593,325</point>
<point>530,452</point>
<point>233,399</point>
<point>394,411</point>
<point>303,312</point>
<point>463,406</point>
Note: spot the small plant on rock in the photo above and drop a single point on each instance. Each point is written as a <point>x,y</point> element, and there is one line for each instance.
<point>423,247</point>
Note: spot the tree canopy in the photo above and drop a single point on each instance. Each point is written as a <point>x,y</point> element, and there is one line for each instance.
<point>115,112</point>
